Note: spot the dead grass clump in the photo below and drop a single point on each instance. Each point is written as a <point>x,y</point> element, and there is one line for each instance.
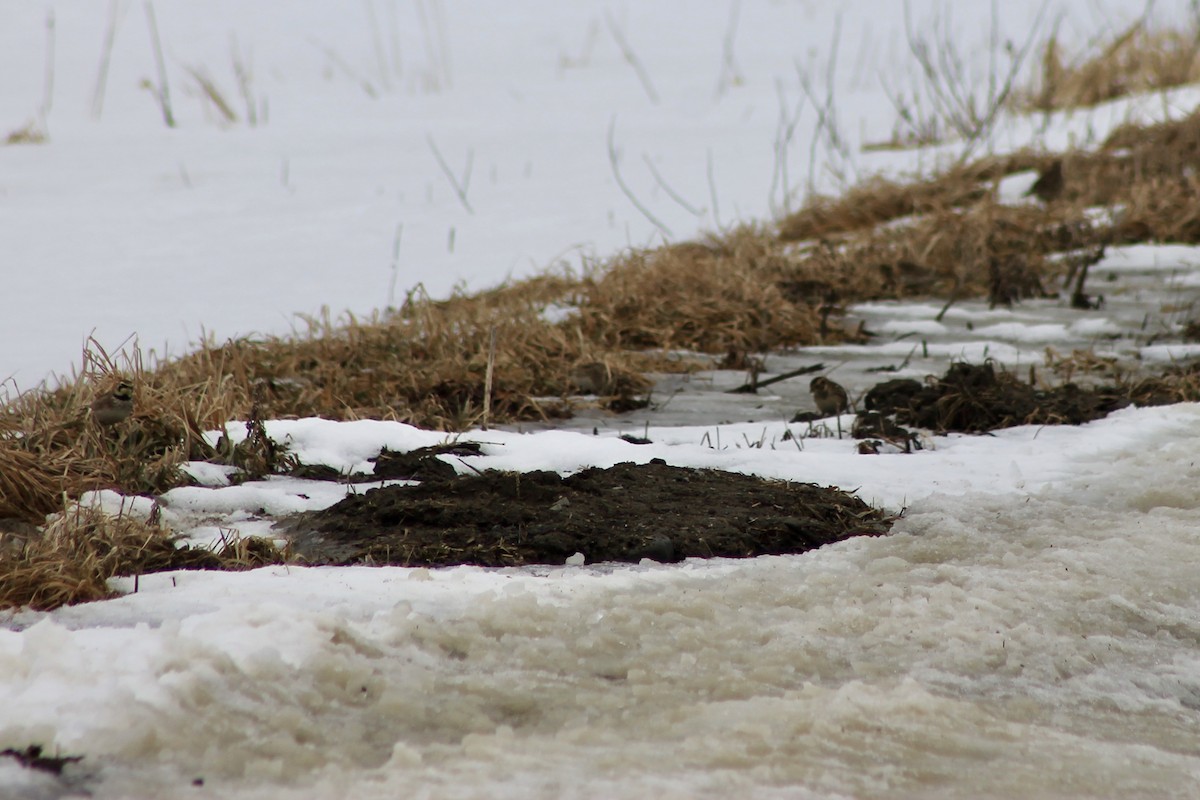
<point>29,488</point>
<point>950,238</point>
<point>987,248</point>
<point>32,133</point>
<point>51,446</point>
<point>975,398</point>
<point>71,560</point>
<point>425,363</point>
<point>710,297</point>
<point>1139,59</point>
<point>879,200</point>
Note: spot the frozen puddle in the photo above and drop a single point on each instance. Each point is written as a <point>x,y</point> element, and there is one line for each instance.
<point>1149,292</point>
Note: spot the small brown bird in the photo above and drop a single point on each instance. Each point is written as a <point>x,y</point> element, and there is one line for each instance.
<point>115,406</point>
<point>593,377</point>
<point>830,397</point>
<point>1049,185</point>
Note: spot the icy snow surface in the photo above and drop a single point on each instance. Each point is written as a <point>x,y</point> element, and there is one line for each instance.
<point>1030,629</point>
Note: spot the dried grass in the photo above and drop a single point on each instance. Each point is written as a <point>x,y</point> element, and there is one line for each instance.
<point>748,290</point>
<point>1138,59</point>
<point>878,200</point>
<point>33,132</point>
<point>946,235</point>
<point>713,296</point>
<point>80,548</point>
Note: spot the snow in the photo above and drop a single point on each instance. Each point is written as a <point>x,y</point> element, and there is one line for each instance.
<point>1150,257</point>
<point>1029,629</point>
<point>1036,603</point>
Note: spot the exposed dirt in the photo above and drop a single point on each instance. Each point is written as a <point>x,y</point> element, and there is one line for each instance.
<point>32,757</point>
<point>622,513</point>
<point>974,398</point>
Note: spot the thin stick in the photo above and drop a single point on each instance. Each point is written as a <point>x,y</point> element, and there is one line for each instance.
<point>950,300</point>
<point>730,74</point>
<point>460,189</point>
<point>785,131</point>
<point>671,193</point>
<point>439,19</point>
<point>209,89</point>
<point>712,188</point>
<point>395,266</point>
<point>110,36</point>
<point>614,158</point>
<point>164,92</point>
<point>394,39</point>
<point>243,70</point>
<point>48,78</point>
<point>347,70</point>
<point>377,42</point>
<point>631,57</point>
<point>487,380</point>
<point>754,385</point>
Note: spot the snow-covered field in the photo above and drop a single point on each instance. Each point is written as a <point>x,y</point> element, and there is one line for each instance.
<point>1030,629</point>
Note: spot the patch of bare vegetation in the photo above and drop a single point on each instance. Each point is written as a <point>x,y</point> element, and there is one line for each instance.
<point>528,350</point>
<point>71,559</point>
<point>720,294</point>
<point>975,398</point>
<point>958,96</point>
<point>32,132</point>
<point>946,235</point>
<point>1141,58</point>
<point>561,335</point>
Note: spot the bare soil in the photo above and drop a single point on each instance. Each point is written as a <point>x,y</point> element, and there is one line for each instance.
<point>623,513</point>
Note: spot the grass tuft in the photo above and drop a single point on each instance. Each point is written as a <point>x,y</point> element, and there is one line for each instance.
<point>81,547</point>
<point>1139,59</point>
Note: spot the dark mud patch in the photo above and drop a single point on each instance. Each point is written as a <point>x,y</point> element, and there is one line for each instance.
<point>622,513</point>
<point>33,757</point>
<point>976,398</point>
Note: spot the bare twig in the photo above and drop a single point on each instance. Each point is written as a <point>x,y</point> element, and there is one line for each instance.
<point>460,186</point>
<point>671,193</point>
<point>614,160</point>
<point>487,380</point>
<point>631,57</point>
<point>391,301</point>
<point>243,70</point>
<point>48,76</point>
<point>433,24</point>
<point>110,36</point>
<point>209,89</point>
<point>336,59</point>
<point>754,385</point>
<point>827,122</point>
<point>956,106</point>
<point>162,92</point>
<point>784,132</point>
<point>712,188</point>
<point>730,74</point>
<point>377,42</point>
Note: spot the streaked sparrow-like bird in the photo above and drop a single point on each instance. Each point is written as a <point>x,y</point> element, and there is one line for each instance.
<point>113,407</point>
<point>1049,185</point>
<point>830,397</point>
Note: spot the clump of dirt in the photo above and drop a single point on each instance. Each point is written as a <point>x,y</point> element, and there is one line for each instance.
<point>33,757</point>
<point>975,398</point>
<point>421,464</point>
<point>622,513</point>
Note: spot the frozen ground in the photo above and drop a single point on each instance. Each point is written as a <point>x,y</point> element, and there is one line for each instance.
<point>1030,629</point>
